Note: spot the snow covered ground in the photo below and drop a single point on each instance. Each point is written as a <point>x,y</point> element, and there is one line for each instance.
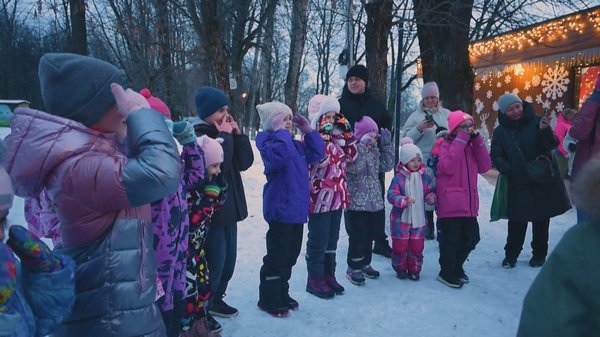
<point>489,305</point>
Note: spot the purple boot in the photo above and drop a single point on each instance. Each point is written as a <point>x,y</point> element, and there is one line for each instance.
<point>318,287</point>
<point>333,284</point>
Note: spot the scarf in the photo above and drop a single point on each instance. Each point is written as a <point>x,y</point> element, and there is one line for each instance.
<point>415,213</point>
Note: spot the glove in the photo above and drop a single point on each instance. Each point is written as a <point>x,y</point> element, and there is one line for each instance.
<point>386,136</point>
<point>184,132</point>
<point>572,147</point>
<point>128,100</point>
<point>301,123</point>
<point>211,190</point>
<point>277,123</point>
<point>474,135</point>
<point>32,251</point>
<point>366,140</point>
<point>8,276</point>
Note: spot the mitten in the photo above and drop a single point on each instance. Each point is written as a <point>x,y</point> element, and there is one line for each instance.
<point>341,142</point>
<point>386,136</point>
<point>32,251</point>
<point>211,190</point>
<point>8,276</point>
<point>128,100</point>
<point>278,123</point>
<point>326,128</point>
<point>184,132</point>
<point>474,135</point>
<point>301,123</point>
<point>366,140</point>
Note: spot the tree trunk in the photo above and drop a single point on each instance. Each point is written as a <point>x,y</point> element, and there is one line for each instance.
<point>443,31</point>
<point>297,39</point>
<point>379,23</point>
<point>164,50</point>
<point>78,27</point>
<point>215,44</point>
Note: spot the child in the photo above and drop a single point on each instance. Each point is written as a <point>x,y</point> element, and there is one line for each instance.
<point>101,197</point>
<point>328,195</point>
<point>375,155</point>
<point>409,191</point>
<point>204,201</point>
<point>462,155</point>
<point>212,106</point>
<point>285,199</point>
<point>37,294</point>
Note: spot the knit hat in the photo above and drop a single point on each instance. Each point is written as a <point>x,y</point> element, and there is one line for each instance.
<point>409,151</point>
<point>455,118</point>
<point>208,100</point>
<point>358,70</point>
<point>506,100</point>
<point>430,89</point>
<point>78,87</point>
<point>268,111</point>
<point>363,126</point>
<point>213,151</point>
<point>156,103</point>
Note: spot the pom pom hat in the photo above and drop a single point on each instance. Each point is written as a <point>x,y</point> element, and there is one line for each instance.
<point>363,126</point>
<point>156,103</point>
<point>455,118</point>
<point>213,151</point>
<point>409,151</point>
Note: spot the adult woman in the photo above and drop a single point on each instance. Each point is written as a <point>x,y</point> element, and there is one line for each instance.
<point>521,137</point>
<point>422,126</point>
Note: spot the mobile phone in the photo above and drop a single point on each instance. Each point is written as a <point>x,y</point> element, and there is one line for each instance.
<point>429,118</point>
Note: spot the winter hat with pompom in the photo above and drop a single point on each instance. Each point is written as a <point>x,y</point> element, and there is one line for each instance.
<point>455,118</point>
<point>213,151</point>
<point>363,126</point>
<point>268,112</point>
<point>156,103</point>
<point>409,150</point>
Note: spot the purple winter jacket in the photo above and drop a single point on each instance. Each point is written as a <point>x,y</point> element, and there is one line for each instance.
<point>459,163</point>
<point>586,130</point>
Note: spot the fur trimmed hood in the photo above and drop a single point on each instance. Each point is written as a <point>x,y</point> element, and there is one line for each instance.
<point>586,189</point>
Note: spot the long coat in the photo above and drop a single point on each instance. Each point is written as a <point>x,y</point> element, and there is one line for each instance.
<point>515,142</point>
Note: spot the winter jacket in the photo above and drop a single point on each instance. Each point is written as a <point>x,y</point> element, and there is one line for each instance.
<point>396,196</point>
<point>6,189</point>
<point>514,142</point>
<point>170,225</point>
<point>354,107</point>
<point>286,194</point>
<point>363,176</point>
<point>461,159</point>
<point>426,139</point>
<point>238,156</point>
<point>41,301</point>
<point>328,181</point>
<point>101,198</point>
<point>586,130</point>
<point>41,218</point>
<point>561,129</point>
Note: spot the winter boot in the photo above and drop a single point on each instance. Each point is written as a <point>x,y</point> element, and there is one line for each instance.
<point>451,282</point>
<point>222,309</point>
<point>270,297</point>
<point>213,325</point>
<point>369,272</point>
<point>355,276</point>
<point>318,287</point>
<point>537,261</point>
<point>333,284</point>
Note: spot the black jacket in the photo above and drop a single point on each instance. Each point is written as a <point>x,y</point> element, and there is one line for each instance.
<point>355,106</point>
<point>238,156</point>
<point>513,144</point>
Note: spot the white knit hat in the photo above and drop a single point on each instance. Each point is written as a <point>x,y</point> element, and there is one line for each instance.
<point>430,89</point>
<point>268,111</point>
<point>408,151</point>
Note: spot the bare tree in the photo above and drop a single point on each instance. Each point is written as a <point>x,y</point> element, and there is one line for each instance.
<point>78,26</point>
<point>379,23</point>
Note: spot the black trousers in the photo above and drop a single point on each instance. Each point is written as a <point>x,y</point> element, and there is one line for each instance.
<point>458,238</point>
<point>360,229</point>
<point>284,242</point>
<point>516,238</point>
<point>378,218</point>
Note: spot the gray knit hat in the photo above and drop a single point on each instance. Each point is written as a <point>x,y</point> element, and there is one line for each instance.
<point>506,100</point>
<point>268,111</point>
<point>78,87</point>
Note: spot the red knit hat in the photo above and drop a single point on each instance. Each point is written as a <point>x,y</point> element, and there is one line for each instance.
<point>156,103</point>
<point>455,118</point>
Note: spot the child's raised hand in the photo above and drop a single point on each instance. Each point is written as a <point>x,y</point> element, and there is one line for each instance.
<point>430,199</point>
<point>302,123</point>
<point>234,125</point>
<point>224,126</point>
<point>278,123</point>
<point>128,100</point>
<point>386,136</point>
<point>366,140</point>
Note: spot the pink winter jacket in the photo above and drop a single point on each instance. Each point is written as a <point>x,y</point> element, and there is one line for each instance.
<point>459,163</point>
<point>561,129</point>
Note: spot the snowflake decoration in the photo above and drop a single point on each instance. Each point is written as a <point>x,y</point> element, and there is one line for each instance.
<point>536,80</point>
<point>519,70</point>
<point>495,106</point>
<point>538,99</point>
<point>500,75</point>
<point>477,86</point>
<point>479,106</point>
<point>488,94</point>
<point>529,99</point>
<point>507,79</point>
<point>527,85</point>
<point>555,82</point>
<point>546,104</point>
<point>515,91</point>
<point>560,106</point>
<point>484,78</point>
<point>499,84</point>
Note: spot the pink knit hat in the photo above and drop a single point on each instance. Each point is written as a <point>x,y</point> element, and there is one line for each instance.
<point>455,118</point>
<point>156,103</point>
<point>213,151</point>
<point>430,89</point>
<point>363,126</point>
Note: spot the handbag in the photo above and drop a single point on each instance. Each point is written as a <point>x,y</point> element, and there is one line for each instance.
<point>499,208</point>
<point>540,170</point>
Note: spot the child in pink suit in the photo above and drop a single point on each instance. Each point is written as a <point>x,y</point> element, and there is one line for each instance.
<point>462,155</point>
<point>410,189</point>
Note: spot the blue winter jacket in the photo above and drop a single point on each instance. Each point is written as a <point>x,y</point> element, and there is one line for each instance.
<point>286,194</point>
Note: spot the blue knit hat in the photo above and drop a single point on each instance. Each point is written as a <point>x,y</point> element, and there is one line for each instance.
<point>78,87</point>
<point>209,100</point>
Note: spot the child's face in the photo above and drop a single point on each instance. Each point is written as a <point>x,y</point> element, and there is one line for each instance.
<point>373,135</point>
<point>466,126</point>
<point>112,122</point>
<point>287,121</point>
<point>414,164</point>
<point>213,170</point>
<point>218,116</point>
<point>329,117</point>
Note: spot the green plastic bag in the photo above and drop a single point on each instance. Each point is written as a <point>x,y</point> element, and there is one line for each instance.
<point>499,209</point>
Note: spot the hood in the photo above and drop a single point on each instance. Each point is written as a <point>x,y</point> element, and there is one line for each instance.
<point>39,142</point>
<point>528,115</point>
